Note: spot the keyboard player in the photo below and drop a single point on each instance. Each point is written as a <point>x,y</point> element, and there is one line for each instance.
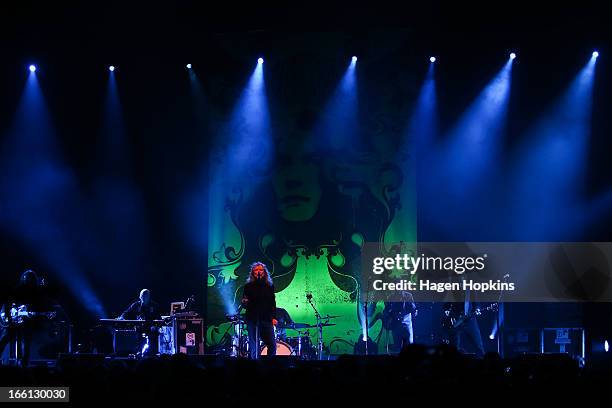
<point>145,309</point>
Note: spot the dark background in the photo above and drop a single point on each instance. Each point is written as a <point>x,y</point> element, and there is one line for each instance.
<point>167,139</point>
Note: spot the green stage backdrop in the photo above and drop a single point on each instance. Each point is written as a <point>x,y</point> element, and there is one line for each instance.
<point>304,204</point>
<point>307,219</point>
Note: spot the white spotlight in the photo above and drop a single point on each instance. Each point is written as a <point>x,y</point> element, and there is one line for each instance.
<point>260,60</point>
<point>32,68</point>
<point>595,54</point>
<point>512,55</point>
<point>111,68</point>
<point>432,59</point>
<point>188,66</point>
<point>354,59</point>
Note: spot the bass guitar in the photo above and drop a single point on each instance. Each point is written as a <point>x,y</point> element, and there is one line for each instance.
<point>453,320</point>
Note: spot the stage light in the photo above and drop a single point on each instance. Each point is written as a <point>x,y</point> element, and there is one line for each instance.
<point>491,336</point>
<point>188,66</point>
<point>32,68</point>
<point>260,60</point>
<point>111,68</point>
<point>512,55</point>
<point>606,346</point>
<point>595,54</point>
<point>354,59</point>
<point>432,59</point>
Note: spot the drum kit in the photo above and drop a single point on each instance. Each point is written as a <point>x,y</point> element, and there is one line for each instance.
<point>298,345</point>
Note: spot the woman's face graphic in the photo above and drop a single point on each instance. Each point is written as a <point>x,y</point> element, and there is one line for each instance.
<point>297,188</point>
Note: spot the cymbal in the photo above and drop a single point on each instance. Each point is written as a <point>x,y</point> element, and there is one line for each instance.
<point>297,326</point>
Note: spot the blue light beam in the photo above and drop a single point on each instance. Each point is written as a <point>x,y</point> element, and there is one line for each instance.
<point>549,169</point>
<point>466,164</point>
<point>338,126</point>
<point>474,145</point>
<point>422,127</point>
<point>41,205</point>
<point>243,150</point>
<point>248,132</point>
<point>118,205</point>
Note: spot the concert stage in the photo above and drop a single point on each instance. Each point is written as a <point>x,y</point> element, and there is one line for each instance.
<point>304,203</point>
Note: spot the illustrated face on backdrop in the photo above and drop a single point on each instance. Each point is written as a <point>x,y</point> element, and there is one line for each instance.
<point>296,185</point>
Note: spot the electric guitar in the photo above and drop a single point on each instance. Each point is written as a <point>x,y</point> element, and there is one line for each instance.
<point>452,320</point>
<point>390,316</point>
<point>20,314</point>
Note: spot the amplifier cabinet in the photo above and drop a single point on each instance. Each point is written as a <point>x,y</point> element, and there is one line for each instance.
<point>188,336</point>
<point>521,341</point>
<point>563,340</point>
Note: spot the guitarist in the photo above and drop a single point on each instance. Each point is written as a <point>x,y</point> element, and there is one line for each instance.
<point>397,318</point>
<point>466,311</point>
<point>29,292</point>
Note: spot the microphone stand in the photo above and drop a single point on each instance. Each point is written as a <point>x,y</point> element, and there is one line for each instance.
<point>365,314</point>
<point>500,310</point>
<point>238,325</point>
<point>366,321</point>
<point>319,327</point>
<point>188,302</point>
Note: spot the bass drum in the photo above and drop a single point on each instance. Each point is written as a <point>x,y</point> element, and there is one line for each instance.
<point>282,349</point>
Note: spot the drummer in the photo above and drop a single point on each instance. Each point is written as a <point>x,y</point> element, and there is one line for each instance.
<point>284,322</point>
